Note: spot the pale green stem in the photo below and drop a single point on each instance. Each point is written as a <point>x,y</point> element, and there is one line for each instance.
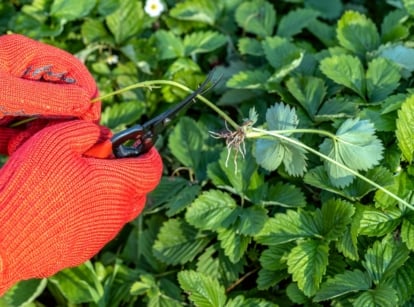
<point>259,133</point>
<point>153,83</point>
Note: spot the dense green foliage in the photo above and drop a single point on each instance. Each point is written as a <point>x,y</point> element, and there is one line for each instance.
<point>311,201</point>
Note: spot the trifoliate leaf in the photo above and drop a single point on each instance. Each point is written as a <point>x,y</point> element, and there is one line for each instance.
<point>233,244</point>
<point>405,128</point>
<point>309,91</point>
<point>203,42</point>
<point>285,195</point>
<point>384,258</point>
<point>307,263</point>
<point>204,11</point>
<point>383,78</point>
<point>249,79</point>
<point>345,70</point>
<point>178,242</point>
<point>355,146</point>
<point>376,222</point>
<point>342,284</point>
<point>203,290</point>
<point>257,17</point>
<point>380,296</point>
<point>250,46</point>
<point>169,46</point>
<point>357,33</point>
<point>210,210</point>
<point>295,21</point>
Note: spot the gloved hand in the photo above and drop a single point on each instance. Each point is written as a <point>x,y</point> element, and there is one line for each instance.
<point>58,208</point>
<point>43,81</point>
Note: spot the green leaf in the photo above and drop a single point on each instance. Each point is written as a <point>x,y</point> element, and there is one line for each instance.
<point>181,200</point>
<point>355,146</point>
<point>24,293</point>
<point>120,114</point>
<point>211,210</point>
<point>384,258</point>
<point>347,243</point>
<point>331,9</point>
<point>336,215</point>
<point>267,279</point>
<point>126,21</point>
<point>214,263</point>
<point>307,263</point>
<point>274,257</point>
<point>285,195</point>
<point>402,281</point>
<point>345,70</point>
<point>343,284</point>
<point>383,78</point>
<point>203,290</point>
<point>249,79</point>
<point>382,296</point>
<point>392,26</point>
<point>401,55</point>
<point>71,9</point>
<point>239,300</point>
<point>203,42</point>
<point>281,117</point>
<point>376,222</point>
<point>93,31</point>
<point>186,142</point>
<point>409,6</point>
<point>169,46</point>
<point>234,244</point>
<point>250,220</point>
<point>79,285</point>
<point>177,242</point>
<point>257,17</point>
<point>289,226</point>
<point>281,53</point>
<point>357,33</point>
<point>309,91</point>
<point>204,11</point>
<point>295,21</point>
<point>250,46</point>
<point>405,128</point>
<point>407,230</point>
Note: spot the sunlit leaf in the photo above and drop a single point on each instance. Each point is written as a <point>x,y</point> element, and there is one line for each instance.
<point>380,296</point>
<point>203,290</point>
<point>71,9</point>
<point>23,293</point>
<point>307,263</point>
<point>169,46</point>
<point>376,222</point>
<point>346,70</point>
<point>405,128</point>
<point>250,46</point>
<point>233,244</point>
<point>204,11</point>
<point>357,33</point>
<point>249,79</point>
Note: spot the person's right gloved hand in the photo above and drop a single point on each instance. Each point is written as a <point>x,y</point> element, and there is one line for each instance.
<point>42,81</point>
<point>58,208</point>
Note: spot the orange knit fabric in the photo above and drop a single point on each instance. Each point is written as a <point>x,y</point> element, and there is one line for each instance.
<point>58,208</point>
<point>43,81</point>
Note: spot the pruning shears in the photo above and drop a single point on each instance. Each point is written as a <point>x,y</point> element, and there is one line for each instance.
<point>144,135</point>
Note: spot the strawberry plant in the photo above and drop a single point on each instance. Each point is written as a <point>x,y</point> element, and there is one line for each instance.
<point>290,183</point>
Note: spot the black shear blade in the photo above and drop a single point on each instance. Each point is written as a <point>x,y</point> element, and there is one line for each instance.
<point>145,135</point>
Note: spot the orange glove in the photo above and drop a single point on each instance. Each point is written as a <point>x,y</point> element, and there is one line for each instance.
<point>43,81</point>
<point>58,208</point>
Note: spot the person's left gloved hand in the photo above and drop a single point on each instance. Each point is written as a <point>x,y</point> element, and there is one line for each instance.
<point>42,81</point>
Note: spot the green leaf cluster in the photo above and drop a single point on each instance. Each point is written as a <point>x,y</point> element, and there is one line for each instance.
<point>307,202</point>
